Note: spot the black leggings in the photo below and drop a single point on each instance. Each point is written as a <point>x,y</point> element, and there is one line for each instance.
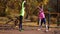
<point>43,21</point>
<point>20,23</point>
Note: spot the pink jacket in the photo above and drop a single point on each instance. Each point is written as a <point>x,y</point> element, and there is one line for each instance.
<point>41,14</point>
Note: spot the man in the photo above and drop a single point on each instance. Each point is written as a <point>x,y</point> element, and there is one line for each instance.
<point>22,15</point>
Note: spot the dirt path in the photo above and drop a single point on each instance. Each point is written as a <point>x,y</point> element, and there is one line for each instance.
<point>31,30</point>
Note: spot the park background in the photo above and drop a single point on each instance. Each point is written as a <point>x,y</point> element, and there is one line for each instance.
<point>11,8</point>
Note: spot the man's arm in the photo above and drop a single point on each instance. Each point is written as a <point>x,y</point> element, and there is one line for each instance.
<point>23,3</point>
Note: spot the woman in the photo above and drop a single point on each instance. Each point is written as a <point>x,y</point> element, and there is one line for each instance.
<point>42,17</point>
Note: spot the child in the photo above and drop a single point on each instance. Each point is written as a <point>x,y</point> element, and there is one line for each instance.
<point>42,17</point>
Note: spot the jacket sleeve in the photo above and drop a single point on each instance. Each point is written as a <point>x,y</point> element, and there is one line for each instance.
<point>22,4</point>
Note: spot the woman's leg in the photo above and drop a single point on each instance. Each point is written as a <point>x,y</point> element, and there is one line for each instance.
<point>41,23</point>
<point>44,20</point>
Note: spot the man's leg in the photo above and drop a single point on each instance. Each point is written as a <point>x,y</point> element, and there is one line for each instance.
<point>20,24</point>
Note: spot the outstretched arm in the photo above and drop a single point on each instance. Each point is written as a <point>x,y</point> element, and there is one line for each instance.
<point>23,3</point>
<point>42,6</point>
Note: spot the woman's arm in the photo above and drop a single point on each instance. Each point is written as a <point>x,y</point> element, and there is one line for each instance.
<point>42,6</point>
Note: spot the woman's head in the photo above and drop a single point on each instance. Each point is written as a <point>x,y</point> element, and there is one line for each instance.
<point>40,6</point>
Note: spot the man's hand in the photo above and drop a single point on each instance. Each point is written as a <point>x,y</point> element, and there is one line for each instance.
<point>24,1</point>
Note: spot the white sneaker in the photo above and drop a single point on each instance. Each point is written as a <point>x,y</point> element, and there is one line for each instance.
<point>46,30</point>
<point>39,29</point>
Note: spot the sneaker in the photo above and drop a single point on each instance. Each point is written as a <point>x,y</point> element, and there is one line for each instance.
<point>39,29</point>
<point>21,29</point>
<point>46,30</point>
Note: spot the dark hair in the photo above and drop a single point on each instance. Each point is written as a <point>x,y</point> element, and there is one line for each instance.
<point>40,6</point>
